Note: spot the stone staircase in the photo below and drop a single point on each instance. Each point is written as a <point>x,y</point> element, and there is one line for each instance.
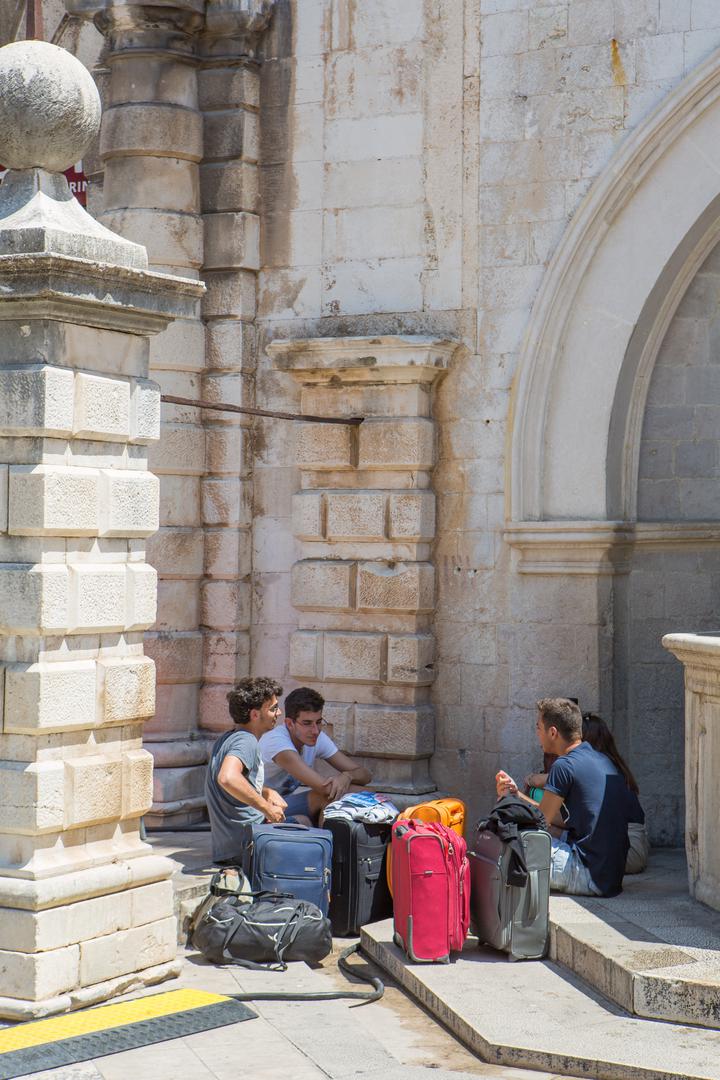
<point>631,987</point>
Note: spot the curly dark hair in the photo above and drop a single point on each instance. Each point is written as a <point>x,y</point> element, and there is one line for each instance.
<point>251,694</point>
<point>304,699</point>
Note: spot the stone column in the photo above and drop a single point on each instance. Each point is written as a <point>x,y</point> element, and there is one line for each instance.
<point>700,653</point>
<point>151,145</point>
<point>86,906</point>
<point>229,98</point>
<point>364,588</point>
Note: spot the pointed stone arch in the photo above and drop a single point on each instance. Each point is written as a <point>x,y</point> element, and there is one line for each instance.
<point>600,316</point>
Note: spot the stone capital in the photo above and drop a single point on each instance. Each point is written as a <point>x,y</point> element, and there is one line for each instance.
<point>230,27</point>
<point>386,359</point>
<point>234,27</point>
<point>163,25</point>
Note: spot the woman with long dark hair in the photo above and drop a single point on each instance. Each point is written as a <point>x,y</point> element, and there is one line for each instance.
<point>596,732</point>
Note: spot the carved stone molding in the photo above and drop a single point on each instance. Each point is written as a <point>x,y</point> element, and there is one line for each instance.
<point>600,547</point>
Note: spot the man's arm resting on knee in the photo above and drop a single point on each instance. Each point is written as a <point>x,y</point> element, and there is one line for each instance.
<point>232,779</point>
<point>351,772</point>
<point>291,762</point>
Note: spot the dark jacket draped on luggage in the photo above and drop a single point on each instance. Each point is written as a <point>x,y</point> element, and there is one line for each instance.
<point>508,817</point>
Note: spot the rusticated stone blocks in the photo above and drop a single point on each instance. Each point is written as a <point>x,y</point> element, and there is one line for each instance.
<point>336,656</point>
<point>365,586</point>
<point>76,502</point>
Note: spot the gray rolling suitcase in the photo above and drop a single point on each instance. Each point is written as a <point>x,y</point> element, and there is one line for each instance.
<point>510,917</point>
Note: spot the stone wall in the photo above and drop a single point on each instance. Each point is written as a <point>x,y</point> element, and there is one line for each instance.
<point>420,163</point>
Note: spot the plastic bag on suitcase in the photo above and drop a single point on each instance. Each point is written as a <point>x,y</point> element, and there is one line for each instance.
<point>259,930</point>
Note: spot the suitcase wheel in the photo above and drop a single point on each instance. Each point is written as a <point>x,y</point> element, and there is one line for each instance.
<point>397,940</point>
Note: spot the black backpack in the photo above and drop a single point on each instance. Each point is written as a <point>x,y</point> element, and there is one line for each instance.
<point>259,930</point>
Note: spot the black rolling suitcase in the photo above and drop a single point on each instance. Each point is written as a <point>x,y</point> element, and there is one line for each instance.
<point>360,891</point>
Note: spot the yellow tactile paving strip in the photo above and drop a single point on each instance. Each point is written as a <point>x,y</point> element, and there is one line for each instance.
<point>89,1021</point>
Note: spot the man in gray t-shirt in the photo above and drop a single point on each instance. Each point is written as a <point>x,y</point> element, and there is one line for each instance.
<point>234,782</point>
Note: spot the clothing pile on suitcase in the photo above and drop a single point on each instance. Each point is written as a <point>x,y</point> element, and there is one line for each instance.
<point>370,861</point>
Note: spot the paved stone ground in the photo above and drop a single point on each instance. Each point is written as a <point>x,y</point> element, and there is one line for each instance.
<point>392,1039</point>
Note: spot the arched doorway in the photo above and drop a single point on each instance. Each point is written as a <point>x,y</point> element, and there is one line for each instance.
<point>600,351</point>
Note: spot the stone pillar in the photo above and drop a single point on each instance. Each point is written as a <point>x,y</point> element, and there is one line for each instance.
<point>700,653</point>
<point>364,588</point>
<point>229,98</point>
<point>151,145</point>
<point>86,906</point>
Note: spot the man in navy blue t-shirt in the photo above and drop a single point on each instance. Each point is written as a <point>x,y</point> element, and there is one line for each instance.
<point>585,803</point>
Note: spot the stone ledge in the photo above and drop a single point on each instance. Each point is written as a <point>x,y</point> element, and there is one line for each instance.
<point>502,1012</point>
<point>600,547</point>
<point>388,358</point>
<point>653,950</point>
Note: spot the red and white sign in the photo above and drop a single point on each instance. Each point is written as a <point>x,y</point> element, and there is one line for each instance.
<point>77,181</point>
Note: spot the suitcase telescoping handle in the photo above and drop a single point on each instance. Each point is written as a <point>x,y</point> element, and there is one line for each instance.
<point>533,904</point>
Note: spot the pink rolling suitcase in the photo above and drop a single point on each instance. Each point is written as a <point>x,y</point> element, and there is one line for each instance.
<point>431,889</point>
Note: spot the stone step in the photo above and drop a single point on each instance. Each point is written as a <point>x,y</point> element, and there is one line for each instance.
<point>537,1015</point>
<point>191,852</point>
<point>652,950</point>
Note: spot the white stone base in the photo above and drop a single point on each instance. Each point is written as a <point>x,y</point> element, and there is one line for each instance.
<point>14,1009</point>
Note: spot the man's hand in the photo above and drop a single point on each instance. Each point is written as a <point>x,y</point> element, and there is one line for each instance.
<point>275,804</point>
<point>535,779</point>
<point>275,799</point>
<point>274,814</point>
<point>339,785</point>
<point>504,784</point>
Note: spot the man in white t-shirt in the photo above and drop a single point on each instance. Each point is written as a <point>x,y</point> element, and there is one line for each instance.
<point>289,752</point>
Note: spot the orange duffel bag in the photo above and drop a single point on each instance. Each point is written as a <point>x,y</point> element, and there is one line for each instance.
<point>449,812</point>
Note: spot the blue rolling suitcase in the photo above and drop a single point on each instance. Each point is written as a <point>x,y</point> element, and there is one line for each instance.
<point>291,859</point>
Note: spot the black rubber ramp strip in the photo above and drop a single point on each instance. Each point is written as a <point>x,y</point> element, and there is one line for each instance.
<point>93,1033</point>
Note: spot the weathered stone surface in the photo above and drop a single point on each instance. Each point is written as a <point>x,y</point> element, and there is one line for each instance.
<point>393,731</point>
<point>36,400</point>
<point>50,697</point>
<point>353,657</point>
<point>49,107</point>
<point>323,585</point>
<point>102,408</point>
<point>355,516</point>
<point>324,446</point>
<point>127,688</point>
<point>410,658</point>
<point>401,587</point>
<point>53,501</point>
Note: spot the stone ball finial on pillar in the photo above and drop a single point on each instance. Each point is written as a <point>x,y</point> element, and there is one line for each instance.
<point>49,107</point>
